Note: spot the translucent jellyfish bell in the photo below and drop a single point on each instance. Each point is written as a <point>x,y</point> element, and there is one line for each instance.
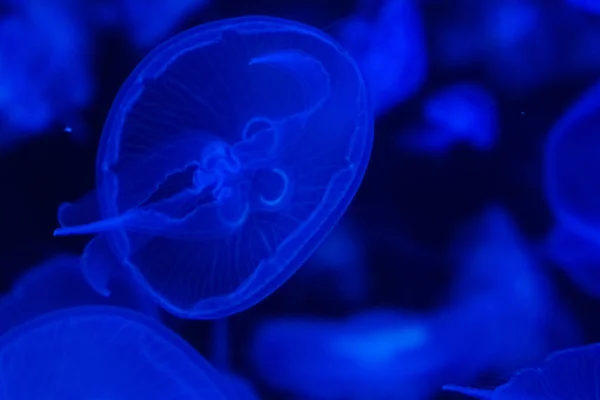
<point>571,162</point>
<point>566,374</point>
<point>58,283</point>
<point>102,353</point>
<point>228,155</point>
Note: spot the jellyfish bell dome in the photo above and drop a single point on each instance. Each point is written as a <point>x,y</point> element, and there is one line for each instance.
<point>102,352</point>
<point>228,155</point>
<point>58,283</point>
<point>570,165</point>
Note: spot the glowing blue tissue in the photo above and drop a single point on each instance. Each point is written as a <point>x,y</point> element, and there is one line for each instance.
<point>571,159</point>
<point>390,49</point>
<point>102,353</point>
<point>58,283</point>
<point>565,374</point>
<point>577,255</point>
<point>462,112</point>
<point>512,39</point>
<point>229,154</point>
<point>592,6</point>
<point>41,33</point>
<point>378,354</point>
<point>508,305</point>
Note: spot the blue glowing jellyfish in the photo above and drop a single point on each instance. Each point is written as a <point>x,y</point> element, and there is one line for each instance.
<point>565,374</point>
<point>571,159</point>
<point>504,300</point>
<point>462,112</point>
<point>102,353</point>
<point>578,256</point>
<point>592,6</point>
<point>58,283</point>
<point>390,48</point>
<point>378,354</point>
<point>228,155</point>
<point>39,33</point>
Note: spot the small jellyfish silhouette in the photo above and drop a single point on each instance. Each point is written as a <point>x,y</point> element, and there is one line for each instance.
<point>565,374</point>
<point>228,155</point>
<point>462,112</point>
<point>102,353</point>
<point>571,159</point>
<point>58,283</point>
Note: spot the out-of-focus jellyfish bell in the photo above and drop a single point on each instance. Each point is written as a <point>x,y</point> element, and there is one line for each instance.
<point>571,162</point>
<point>227,157</point>
<point>390,49</point>
<point>33,34</point>
<point>566,374</point>
<point>340,263</point>
<point>577,255</point>
<point>463,112</point>
<point>592,6</point>
<point>58,283</point>
<point>102,353</point>
<point>378,354</point>
<point>504,298</point>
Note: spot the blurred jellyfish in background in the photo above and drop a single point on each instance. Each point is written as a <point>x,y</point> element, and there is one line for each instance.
<point>570,165</point>
<point>502,314</point>
<point>387,39</point>
<point>145,22</point>
<point>592,6</point>
<point>45,68</point>
<point>565,374</point>
<point>505,303</point>
<point>458,113</point>
<point>58,283</point>
<point>577,255</point>
<point>339,266</point>
<point>376,354</point>
<point>103,352</point>
<point>522,44</point>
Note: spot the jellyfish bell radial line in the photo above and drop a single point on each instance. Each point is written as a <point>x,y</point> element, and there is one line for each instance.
<point>266,171</point>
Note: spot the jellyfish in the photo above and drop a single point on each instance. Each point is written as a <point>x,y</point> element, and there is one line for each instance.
<point>571,156</point>
<point>376,354</point>
<point>58,283</point>
<point>503,298</point>
<point>592,6</point>
<point>390,48</point>
<point>565,374</point>
<point>33,34</point>
<point>578,256</point>
<point>228,156</point>
<point>462,112</point>
<point>102,352</point>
